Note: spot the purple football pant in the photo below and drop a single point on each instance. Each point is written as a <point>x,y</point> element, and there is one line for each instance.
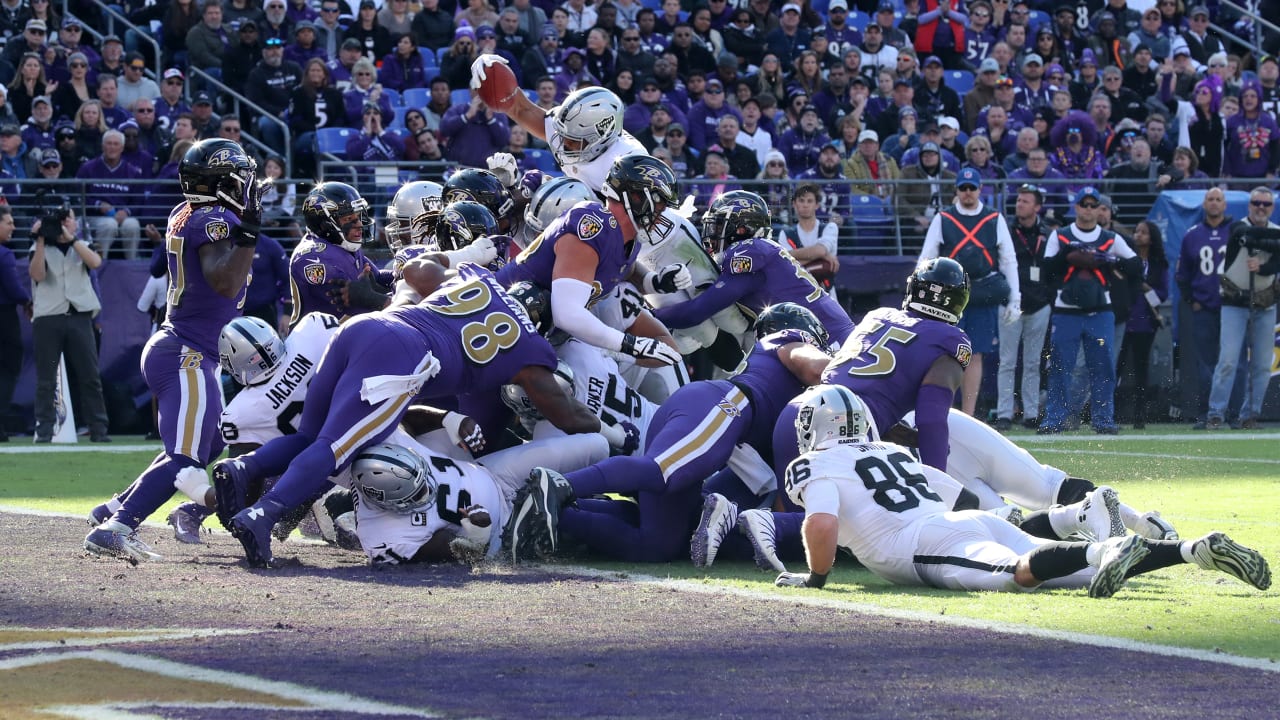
<point>189,397</point>
<point>336,424</point>
<point>696,431</point>
<point>655,528</point>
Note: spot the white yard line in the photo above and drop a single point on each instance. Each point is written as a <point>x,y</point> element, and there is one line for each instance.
<point>310,698</point>
<point>801,597</point>
<point>1163,456</point>
<point>21,449</point>
<point>1207,437</point>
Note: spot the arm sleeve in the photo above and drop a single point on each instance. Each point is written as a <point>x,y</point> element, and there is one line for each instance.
<point>1008,260</point>
<point>933,402</point>
<point>1122,249</point>
<point>828,237</point>
<point>725,292</point>
<point>569,298</point>
<point>822,496</point>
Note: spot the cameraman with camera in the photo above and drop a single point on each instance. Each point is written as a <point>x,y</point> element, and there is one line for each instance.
<point>64,305</point>
<point>1248,310</point>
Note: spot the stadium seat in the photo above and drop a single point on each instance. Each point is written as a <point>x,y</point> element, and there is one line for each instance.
<point>430,74</point>
<point>333,140</point>
<point>403,133</point>
<point>820,6</point>
<point>858,19</point>
<point>532,95</point>
<point>873,223</point>
<point>428,57</point>
<point>543,160</point>
<point>959,80</point>
<point>416,97</point>
<point>392,95</point>
<point>440,54</point>
<point>397,122</point>
<point>460,97</point>
<point>1037,20</point>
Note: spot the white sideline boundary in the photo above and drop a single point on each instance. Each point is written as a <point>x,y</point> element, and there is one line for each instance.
<point>17,448</point>
<point>1163,456</point>
<point>699,587</point>
<point>1211,436</point>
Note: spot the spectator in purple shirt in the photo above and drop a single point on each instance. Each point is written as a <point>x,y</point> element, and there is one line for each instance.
<point>170,103</point>
<point>472,132</point>
<point>1144,318</point>
<point>404,68</point>
<point>13,294</point>
<point>107,196</point>
<point>301,10</point>
<point>304,46</point>
<point>705,115</point>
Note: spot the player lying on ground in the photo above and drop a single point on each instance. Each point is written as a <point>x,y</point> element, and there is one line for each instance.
<point>873,499</point>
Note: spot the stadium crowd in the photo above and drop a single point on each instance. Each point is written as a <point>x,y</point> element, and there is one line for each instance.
<point>881,103</point>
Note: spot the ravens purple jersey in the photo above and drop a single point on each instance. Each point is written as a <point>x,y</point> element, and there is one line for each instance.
<point>769,383</point>
<point>594,225</point>
<point>313,265</point>
<point>756,273</point>
<point>498,339</point>
<point>888,356</point>
<point>197,312</point>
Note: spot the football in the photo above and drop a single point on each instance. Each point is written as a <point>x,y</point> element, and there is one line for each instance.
<point>499,88</point>
<point>821,269</point>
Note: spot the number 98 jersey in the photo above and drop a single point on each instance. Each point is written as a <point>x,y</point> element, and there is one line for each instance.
<point>883,493</point>
<point>393,538</point>
<point>273,408</point>
<point>887,357</point>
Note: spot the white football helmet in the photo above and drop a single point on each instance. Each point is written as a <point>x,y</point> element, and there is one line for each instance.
<point>394,478</point>
<point>515,398</point>
<point>585,124</point>
<point>413,213</point>
<point>551,201</point>
<point>249,350</point>
<point>831,415</point>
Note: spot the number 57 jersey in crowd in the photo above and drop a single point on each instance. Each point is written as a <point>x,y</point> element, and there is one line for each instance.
<point>271,408</point>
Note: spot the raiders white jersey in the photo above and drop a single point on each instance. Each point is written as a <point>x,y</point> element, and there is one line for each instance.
<point>598,384</point>
<point>390,537</point>
<point>979,454</point>
<point>595,172</point>
<point>273,408</point>
<point>883,492</point>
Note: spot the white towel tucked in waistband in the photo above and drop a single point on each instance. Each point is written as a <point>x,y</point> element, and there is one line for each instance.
<point>384,387</point>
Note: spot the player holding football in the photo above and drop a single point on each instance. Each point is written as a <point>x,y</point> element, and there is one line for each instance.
<point>872,498</point>
<point>210,241</point>
<point>586,137</point>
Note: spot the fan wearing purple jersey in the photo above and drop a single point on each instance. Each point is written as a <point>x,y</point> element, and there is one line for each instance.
<point>468,333</point>
<point>754,271</point>
<point>585,254</point>
<point>692,436</point>
<point>329,255</point>
<point>210,242</point>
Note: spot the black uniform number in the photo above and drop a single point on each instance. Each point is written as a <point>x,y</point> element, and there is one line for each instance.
<point>894,487</point>
<point>286,422</point>
<point>625,405</point>
<point>444,464</point>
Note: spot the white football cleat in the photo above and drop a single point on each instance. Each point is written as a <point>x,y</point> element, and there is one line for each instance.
<point>1153,527</point>
<point>759,528</point>
<point>1099,516</point>
<point>1120,555</point>
<point>719,515</point>
<point>1216,551</point>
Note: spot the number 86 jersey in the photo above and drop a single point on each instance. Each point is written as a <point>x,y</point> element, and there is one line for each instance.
<point>886,359</point>
<point>883,494</point>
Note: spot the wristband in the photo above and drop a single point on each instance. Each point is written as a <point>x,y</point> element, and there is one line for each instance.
<point>614,433</point>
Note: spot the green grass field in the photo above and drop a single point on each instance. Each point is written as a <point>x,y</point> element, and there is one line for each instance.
<point>1219,482</point>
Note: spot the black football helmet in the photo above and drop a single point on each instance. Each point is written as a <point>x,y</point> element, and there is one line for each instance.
<point>735,215</point>
<point>536,301</point>
<point>938,288</point>
<point>216,171</point>
<point>325,208</point>
<point>790,316</point>
<point>462,223</point>
<point>480,186</point>
<point>640,183</point>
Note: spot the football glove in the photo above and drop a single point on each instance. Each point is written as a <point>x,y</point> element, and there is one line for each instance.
<point>478,74</point>
<point>811,580</point>
<point>504,166</point>
<point>668,279</point>
<point>647,348</point>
